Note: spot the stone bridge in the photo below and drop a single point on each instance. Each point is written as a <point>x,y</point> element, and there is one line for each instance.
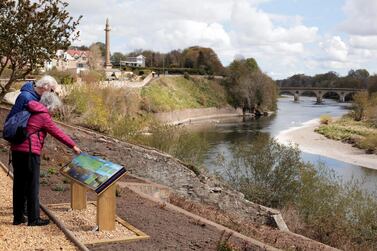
<point>319,92</point>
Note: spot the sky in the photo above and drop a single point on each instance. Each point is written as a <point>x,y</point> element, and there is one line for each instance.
<point>286,37</point>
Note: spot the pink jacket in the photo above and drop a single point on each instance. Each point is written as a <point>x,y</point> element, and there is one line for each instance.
<point>40,120</point>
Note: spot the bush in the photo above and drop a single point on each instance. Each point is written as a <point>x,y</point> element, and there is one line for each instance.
<point>93,76</point>
<point>63,77</point>
<point>360,104</point>
<point>186,75</point>
<point>177,141</point>
<point>325,119</point>
<point>335,213</point>
<point>368,143</point>
<point>266,172</point>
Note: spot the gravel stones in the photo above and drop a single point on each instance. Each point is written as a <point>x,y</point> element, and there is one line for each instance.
<point>82,223</point>
<point>22,237</point>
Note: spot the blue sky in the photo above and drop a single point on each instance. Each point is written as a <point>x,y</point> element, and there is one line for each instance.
<point>286,37</point>
<point>314,13</point>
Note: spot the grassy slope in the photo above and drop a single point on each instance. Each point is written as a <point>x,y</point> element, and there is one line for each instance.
<point>359,133</point>
<point>176,93</point>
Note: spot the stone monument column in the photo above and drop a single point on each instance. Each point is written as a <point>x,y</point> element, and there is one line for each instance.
<point>107,56</point>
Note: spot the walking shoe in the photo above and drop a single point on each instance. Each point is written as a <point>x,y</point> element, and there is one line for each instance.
<point>19,221</point>
<point>39,222</point>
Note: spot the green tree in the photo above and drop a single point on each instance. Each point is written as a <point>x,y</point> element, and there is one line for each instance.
<point>31,33</point>
<point>116,57</point>
<point>249,87</point>
<point>372,84</point>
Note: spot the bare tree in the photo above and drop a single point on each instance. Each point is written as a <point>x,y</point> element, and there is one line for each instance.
<point>95,57</point>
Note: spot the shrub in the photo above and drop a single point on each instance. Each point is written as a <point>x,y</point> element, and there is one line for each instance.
<point>368,143</point>
<point>51,170</point>
<point>63,77</point>
<point>337,213</point>
<point>186,75</point>
<point>325,119</point>
<point>266,172</point>
<point>93,76</point>
<point>360,104</point>
<point>59,188</point>
<point>177,141</point>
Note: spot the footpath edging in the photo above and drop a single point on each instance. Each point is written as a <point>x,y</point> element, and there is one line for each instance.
<point>60,225</point>
<point>199,218</point>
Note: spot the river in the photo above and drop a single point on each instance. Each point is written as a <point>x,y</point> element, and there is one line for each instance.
<point>225,135</point>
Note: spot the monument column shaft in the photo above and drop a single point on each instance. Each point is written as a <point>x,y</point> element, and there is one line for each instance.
<point>107,57</point>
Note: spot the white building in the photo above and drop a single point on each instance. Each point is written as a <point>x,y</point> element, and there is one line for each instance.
<point>138,61</point>
<point>74,60</point>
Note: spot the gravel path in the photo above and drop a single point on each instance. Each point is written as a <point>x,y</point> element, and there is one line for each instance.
<point>22,237</point>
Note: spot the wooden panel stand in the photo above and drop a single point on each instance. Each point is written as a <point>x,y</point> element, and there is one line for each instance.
<point>78,196</point>
<point>106,209</point>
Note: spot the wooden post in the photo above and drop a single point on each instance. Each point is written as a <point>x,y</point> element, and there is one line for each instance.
<point>106,209</point>
<point>78,196</point>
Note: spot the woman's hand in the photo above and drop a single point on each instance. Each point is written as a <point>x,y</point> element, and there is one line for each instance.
<point>76,150</point>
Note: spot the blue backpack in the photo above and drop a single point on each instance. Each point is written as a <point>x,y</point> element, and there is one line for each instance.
<point>15,127</point>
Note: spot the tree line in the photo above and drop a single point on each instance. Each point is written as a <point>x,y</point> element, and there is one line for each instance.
<point>360,79</point>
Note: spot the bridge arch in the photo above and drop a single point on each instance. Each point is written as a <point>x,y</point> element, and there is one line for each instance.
<point>343,93</point>
<point>296,94</point>
<point>332,94</point>
<point>349,96</point>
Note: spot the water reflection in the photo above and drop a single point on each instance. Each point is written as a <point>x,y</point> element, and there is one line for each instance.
<point>226,135</point>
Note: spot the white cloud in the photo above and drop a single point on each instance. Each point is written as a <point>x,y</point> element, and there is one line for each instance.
<point>360,17</point>
<point>364,42</point>
<point>335,48</point>
<point>281,44</point>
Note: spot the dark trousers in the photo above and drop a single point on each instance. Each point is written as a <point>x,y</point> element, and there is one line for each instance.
<point>25,185</point>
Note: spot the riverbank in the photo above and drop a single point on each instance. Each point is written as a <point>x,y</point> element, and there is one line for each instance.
<point>188,116</point>
<point>311,142</point>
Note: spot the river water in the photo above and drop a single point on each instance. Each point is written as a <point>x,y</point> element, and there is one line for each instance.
<point>226,134</point>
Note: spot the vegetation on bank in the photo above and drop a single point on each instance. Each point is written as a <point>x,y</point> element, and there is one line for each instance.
<point>118,113</point>
<point>359,127</point>
<point>177,93</point>
<point>314,201</point>
<point>249,88</point>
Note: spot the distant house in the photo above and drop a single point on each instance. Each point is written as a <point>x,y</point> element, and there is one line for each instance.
<point>74,60</point>
<point>138,61</point>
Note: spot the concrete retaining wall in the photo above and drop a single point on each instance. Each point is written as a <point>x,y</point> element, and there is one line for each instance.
<point>190,115</point>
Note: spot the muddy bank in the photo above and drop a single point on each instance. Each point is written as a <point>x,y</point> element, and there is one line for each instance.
<point>311,142</point>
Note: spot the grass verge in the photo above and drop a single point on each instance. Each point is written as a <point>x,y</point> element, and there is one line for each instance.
<point>359,133</point>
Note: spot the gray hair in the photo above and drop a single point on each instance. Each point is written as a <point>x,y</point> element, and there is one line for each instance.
<point>47,82</point>
<point>51,101</point>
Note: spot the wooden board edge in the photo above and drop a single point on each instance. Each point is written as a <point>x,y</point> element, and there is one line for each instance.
<point>128,239</point>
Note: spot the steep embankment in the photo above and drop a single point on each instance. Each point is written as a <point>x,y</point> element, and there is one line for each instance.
<point>167,94</point>
<point>177,100</point>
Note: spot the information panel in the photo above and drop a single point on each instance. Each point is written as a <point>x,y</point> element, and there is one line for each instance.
<point>93,172</point>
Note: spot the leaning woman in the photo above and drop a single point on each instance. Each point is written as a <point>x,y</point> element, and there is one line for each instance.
<point>26,163</point>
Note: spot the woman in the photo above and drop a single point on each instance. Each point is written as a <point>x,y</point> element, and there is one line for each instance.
<point>33,91</point>
<point>26,158</point>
